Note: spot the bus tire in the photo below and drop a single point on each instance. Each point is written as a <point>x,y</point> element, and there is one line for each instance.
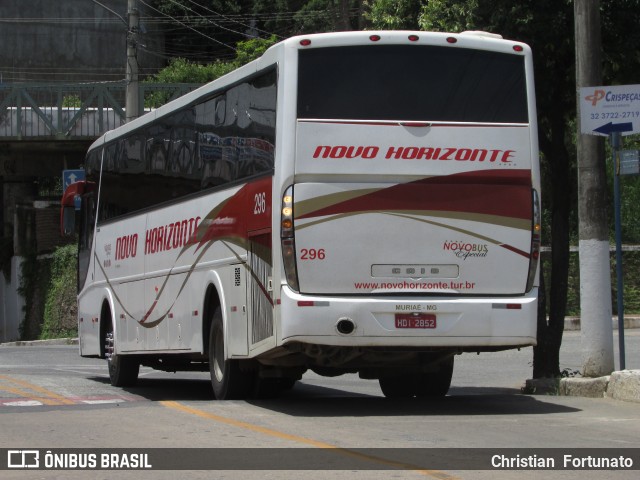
<point>123,369</point>
<point>398,386</point>
<point>229,382</point>
<point>437,383</point>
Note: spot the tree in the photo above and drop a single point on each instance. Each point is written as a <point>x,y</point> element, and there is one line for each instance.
<point>181,70</point>
<point>294,17</point>
<point>393,14</point>
<point>545,25</point>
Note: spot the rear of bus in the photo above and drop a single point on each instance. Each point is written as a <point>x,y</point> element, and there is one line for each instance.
<point>411,226</point>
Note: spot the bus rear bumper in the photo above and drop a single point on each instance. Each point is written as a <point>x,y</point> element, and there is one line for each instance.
<point>463,323</point>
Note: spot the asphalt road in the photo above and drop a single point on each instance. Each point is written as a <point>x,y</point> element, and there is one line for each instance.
<point>51,398</point>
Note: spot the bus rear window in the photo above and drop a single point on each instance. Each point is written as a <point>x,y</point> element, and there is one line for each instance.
<point>414,83</point>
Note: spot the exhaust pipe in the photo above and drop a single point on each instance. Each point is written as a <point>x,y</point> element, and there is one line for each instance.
<point>345,326</point>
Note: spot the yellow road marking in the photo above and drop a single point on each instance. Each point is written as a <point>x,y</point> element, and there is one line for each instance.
<point>26,395</point>
<point>51,396</point>
<point>307,441</point>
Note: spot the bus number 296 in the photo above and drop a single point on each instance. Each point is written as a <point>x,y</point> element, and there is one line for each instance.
<point>260,203</point>
<point>312,254</point>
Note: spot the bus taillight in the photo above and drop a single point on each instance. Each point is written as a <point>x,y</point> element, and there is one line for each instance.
<point>288,242</point>
<point>536,230</point>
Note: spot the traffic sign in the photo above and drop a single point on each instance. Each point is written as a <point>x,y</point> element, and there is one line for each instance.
<point>606,110</point>
<point>629,162</point>
<point>71,176</point>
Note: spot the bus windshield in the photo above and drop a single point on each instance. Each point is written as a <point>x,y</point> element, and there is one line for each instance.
<point>420,83</point>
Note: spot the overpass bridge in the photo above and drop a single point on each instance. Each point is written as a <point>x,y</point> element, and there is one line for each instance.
<point>45,129</point>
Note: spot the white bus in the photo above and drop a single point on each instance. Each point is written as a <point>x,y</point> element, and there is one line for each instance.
<point>360,202</point>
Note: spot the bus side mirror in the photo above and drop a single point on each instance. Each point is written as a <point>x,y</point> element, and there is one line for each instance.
<point>68,221</point>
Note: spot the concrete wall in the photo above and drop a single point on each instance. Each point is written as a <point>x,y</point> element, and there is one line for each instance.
<point>11,304</point>
<point>68,40</point>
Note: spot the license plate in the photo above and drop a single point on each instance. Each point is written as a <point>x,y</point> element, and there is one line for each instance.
<point>415,320</point>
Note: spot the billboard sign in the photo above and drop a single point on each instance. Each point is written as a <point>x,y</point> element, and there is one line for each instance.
<point>605,110</point>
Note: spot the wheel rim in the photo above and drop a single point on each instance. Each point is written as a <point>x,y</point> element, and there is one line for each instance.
<point>108,347</point>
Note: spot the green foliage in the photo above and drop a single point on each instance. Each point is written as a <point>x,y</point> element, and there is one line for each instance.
<point>447,16</point>
<point>629,197</point>
<point>60,309</point>
<point>323,16</point>
<point>249,50</point>
<point>631,281</point>
<point>50,186</point>
<point>181,70</point>
<point>621,37</point>
<point>393,14</point>
<point>72,101</point>
<point>278,15</point>
<point>48,285</point>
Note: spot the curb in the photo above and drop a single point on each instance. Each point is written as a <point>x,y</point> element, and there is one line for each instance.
<point>573,323</point>
<point>625,385</point>
<point>622,385</point>
<point>584,387</point>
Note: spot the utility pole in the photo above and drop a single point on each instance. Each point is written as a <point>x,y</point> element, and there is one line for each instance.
<point>595,277</point>
<point>132,103</point>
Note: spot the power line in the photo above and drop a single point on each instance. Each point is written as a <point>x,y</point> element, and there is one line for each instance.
<point>239,19</point>
<point>208,19</point>
<point>230,18</point>
<point>187,26</point>
<point>111,11</point>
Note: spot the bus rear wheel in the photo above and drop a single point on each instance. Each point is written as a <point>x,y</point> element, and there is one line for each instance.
<point>432,384</point>
<point>123,369</point>
<point>436,384</point>
<point>401,386</point>
<point>229,382</point>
